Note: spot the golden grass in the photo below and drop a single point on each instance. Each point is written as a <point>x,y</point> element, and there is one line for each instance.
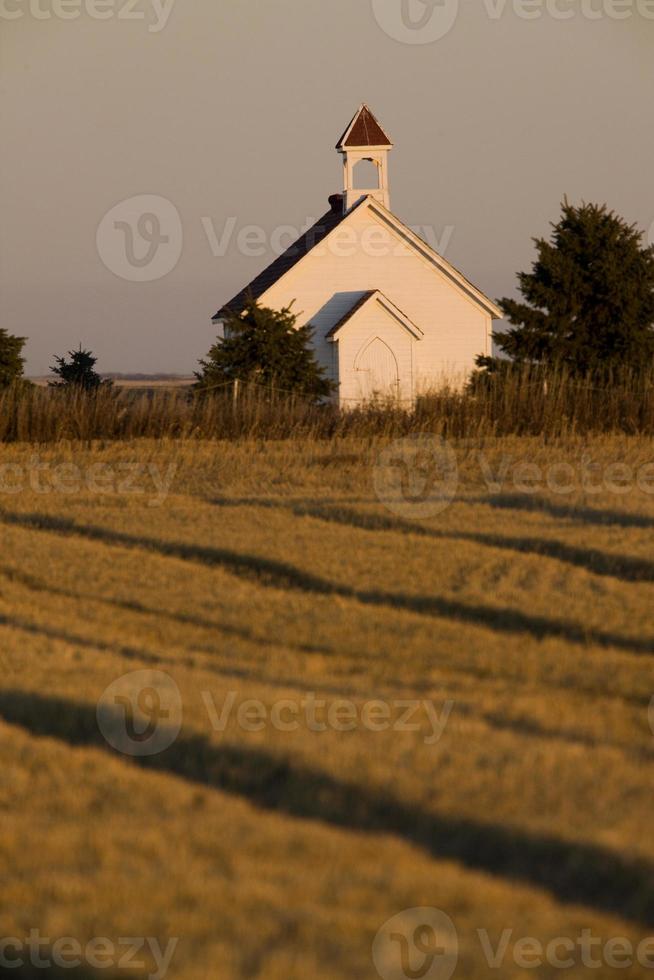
<point>527,403</point>
<point>272,571</point>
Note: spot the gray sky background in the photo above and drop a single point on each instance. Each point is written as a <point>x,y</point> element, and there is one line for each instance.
<point>232,110</point>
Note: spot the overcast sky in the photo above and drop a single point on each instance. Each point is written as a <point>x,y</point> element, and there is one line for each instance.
<point>229,110</point>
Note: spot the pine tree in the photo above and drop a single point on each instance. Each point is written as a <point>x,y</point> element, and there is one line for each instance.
<point>11,359</point>
<point>78,372</point>
<point>265,347</point>
<point>589,299</point>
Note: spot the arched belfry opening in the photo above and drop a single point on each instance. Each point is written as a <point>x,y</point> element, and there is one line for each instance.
<point>366,174</point>
<point>365,147</point>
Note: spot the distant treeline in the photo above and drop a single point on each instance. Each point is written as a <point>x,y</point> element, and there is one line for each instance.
<point>117,376</point>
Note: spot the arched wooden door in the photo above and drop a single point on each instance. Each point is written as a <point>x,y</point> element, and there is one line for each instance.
<point>377,371</point>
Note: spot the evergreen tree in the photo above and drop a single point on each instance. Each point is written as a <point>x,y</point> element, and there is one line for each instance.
<point>589,299</point>
<point>11,359</point>
<point>266,347</point>
<point>78,372</point>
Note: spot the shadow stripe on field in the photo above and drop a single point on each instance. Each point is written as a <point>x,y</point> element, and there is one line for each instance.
<point>276,574</point>
<point>627,568</point>
<point>27,971</point>
<point>533,503</point>
<point>191,619</point>
<point>602,517</point>
<point>35,584</point>
<point>574,872</point>
<point>523,727</point>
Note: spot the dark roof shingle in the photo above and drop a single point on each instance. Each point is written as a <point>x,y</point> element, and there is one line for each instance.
<point>350,313</point>
<point>363,130</point>
<point>283,263</point>
<point>359,303</point>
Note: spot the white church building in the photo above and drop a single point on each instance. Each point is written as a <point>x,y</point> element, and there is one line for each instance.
<point>391,317</point>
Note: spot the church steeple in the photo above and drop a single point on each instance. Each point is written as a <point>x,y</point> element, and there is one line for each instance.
<point>364,139</point>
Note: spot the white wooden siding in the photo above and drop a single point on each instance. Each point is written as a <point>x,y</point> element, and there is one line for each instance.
<point>363,254</point>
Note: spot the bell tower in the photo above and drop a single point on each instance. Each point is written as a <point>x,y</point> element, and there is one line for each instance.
<point>365,140</point>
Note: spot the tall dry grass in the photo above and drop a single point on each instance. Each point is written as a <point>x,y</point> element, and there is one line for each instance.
<point>525,403</point>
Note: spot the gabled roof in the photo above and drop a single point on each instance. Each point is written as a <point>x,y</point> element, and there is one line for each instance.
<point>284,263</point>
<point>363,130</point>
<point>329,223</point>
<point>376,296</point>
<point>432,256</point>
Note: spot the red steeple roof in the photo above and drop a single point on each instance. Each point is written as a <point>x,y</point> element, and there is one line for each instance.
<point>363,130</point>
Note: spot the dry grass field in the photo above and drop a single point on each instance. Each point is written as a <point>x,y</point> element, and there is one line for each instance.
<point>519,796</point>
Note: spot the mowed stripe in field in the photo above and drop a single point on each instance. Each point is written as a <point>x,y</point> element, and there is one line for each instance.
<point>539,707</point>
<point>572,871</point>
<point>260,568</point>
<point>190,553</point>
<point>284,545</point>
<point>339,659</point>
<point>455,565</point>
<point>208,862</point>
